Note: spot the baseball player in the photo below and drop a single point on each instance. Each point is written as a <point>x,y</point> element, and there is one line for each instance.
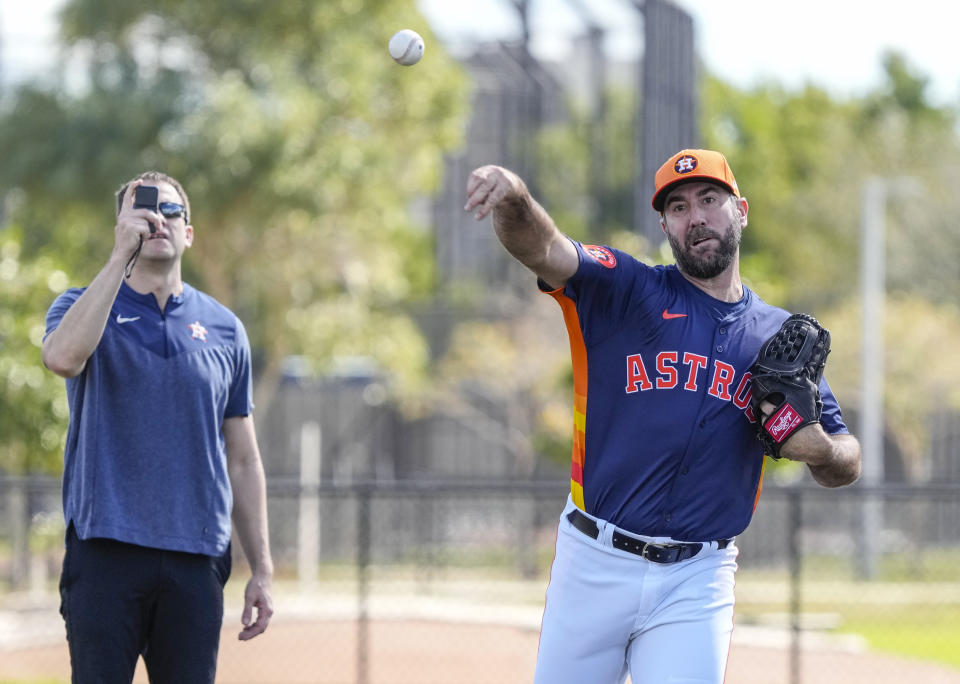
<point>667,466</point>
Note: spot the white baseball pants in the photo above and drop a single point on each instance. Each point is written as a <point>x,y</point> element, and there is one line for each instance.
<point>609,612</point>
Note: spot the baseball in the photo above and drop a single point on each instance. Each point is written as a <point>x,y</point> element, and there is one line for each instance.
<point>406,47</point>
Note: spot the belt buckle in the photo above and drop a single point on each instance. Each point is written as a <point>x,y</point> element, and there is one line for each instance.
<point>657,547</point>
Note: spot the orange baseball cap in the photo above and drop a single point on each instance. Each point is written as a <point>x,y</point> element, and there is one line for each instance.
<point>689,165</point>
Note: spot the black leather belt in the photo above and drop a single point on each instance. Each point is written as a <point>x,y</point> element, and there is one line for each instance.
<point>656,553</point>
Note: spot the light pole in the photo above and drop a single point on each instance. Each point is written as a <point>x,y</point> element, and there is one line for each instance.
<point>876,192</point>
<point>872,267</point>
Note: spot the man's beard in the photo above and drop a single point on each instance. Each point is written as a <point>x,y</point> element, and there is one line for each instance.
<point>714,263</point>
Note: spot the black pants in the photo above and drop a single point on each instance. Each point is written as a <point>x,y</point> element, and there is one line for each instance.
<point>120,601</point>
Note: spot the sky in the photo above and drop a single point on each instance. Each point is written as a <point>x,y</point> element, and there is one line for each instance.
<point>836,44</point>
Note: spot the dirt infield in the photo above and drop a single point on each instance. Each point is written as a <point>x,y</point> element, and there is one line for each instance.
<point>434,652</point>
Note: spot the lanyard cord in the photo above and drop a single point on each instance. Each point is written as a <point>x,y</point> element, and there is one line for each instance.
<point>131,262</point>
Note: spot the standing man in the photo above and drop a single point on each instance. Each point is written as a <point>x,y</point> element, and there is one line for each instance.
<point>667,466</point>
<point>161,450</point>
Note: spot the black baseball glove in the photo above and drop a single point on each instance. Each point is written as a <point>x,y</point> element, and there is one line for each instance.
<point>787,374</point>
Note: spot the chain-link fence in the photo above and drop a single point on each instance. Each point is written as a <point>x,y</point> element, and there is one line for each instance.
<point>444,582</point>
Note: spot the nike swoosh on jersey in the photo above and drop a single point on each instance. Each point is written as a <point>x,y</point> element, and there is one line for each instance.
<point>123,319</point>
<point>667,315</point>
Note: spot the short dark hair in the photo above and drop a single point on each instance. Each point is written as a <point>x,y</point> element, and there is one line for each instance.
<point>156,177</point>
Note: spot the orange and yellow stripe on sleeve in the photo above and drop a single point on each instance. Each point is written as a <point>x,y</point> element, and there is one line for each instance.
<point>763,469</point>
<point>578,356</point>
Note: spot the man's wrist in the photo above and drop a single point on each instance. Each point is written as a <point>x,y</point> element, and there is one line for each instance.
<point>262,571</point>
<point>810,445</point>
<point>117,261</point>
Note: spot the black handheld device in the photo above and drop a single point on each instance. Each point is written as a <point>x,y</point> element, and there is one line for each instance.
<point>144,197</point>
<point>147,197</point>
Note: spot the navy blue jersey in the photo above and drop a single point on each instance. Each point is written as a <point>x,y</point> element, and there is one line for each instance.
<point>664,437</point>
<point>145,460</point>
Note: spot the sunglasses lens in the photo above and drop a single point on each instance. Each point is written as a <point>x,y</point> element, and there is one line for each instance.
<point>172,209</point>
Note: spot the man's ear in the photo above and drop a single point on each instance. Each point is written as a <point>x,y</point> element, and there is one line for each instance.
<point>188,235</point>
<point>663,223</point>
<point>744,208</point>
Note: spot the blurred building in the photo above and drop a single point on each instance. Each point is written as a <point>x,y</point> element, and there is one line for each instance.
<point>514,97</point>
<point>336,432</point>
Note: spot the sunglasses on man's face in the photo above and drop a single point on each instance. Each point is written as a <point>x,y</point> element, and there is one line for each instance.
<point>172,210</point>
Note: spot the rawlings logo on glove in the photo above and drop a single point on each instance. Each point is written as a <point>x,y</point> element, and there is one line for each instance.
<point>783,423</point>
<point>787,375</point>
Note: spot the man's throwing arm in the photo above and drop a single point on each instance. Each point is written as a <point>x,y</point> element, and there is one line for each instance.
<point>523,226</point>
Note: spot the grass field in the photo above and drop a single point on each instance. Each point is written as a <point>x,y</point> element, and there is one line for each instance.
<point>910,608</point>
<point>916,630</point>
<point>927,632</point>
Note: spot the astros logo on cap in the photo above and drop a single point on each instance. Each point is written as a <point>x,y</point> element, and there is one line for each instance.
<point>685,164</point>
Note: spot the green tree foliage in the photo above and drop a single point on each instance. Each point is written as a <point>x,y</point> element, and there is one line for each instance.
<point>33,407</point>
<point>302,144</point>
<point>802,158</point>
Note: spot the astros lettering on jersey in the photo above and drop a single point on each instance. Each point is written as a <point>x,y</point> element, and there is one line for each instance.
<point>650,350</point>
